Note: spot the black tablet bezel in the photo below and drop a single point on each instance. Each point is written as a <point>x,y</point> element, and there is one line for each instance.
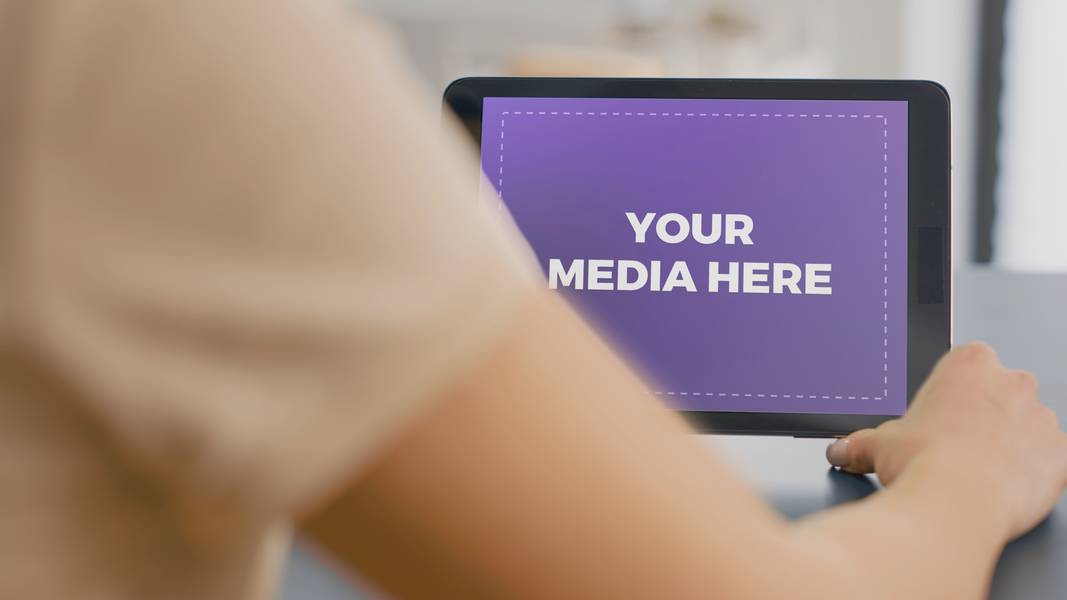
<point>929,232</point>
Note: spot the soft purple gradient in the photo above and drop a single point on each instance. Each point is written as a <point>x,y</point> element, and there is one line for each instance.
<point>828,188</point>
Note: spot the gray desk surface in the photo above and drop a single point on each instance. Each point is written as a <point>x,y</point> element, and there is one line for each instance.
<point>1024,316</point>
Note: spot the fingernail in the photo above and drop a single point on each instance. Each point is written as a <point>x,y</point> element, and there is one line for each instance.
<point>837,452</point>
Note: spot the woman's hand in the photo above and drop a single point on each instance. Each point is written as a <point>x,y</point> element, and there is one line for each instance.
<point>974,418</point>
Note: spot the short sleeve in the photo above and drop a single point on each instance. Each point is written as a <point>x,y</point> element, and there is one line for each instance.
<point>245,243</point>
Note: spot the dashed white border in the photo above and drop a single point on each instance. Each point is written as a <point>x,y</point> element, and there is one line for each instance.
<point>885,256</point>
<point>885,219</point>
<point>738,395</point>
<point>579,113</point>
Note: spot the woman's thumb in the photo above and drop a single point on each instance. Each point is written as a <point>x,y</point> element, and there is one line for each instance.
<point>854,453</point>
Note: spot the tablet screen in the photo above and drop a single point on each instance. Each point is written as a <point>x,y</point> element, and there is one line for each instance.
<point>746,255</point>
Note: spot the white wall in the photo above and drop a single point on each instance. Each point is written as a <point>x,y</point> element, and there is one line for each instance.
<point>1031,194</point>
<point>775,37</point>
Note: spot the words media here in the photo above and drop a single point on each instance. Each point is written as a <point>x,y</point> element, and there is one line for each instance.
<point>674,228</point>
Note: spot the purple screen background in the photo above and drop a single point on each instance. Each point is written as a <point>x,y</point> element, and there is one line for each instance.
<point>824,182</point>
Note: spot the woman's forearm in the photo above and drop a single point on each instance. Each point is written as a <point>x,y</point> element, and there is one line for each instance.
<point>538,478</point>
<point>936,533</point>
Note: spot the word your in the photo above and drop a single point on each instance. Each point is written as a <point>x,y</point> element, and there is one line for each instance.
<point>738,228</point>
<point>746,278</point>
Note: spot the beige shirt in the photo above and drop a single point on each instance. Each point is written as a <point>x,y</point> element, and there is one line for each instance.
<point>236,258</point>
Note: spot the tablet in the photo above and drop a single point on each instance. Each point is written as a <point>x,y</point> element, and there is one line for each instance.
<point>773,255</point>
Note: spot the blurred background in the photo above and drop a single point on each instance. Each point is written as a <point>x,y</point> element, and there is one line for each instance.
<point>1003,62</point>
<point>995,57</point>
